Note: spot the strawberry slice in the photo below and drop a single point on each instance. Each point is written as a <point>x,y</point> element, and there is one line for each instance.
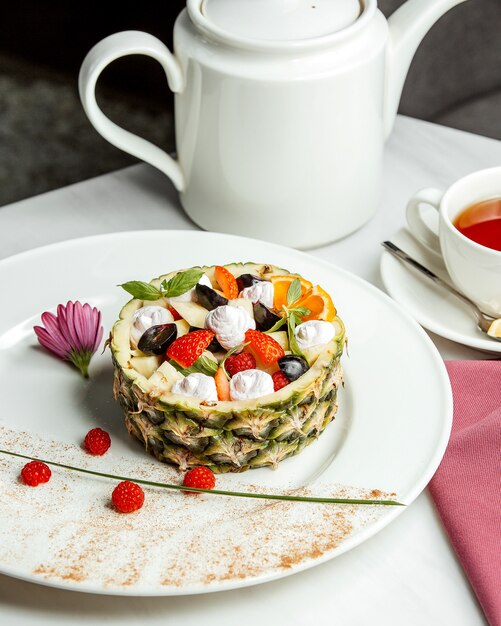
<point>227,282</point>
<point>263,347</point>
<point>186,349</point>
<point>222,385</point>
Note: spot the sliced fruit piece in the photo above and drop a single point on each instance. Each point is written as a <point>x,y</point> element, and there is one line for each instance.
<point>265,319</point>
<point>145,365</point>
<point>293,366</point>
<point>281,337</point>
<point>182,327</point>
<point>222,385</point>
<point>192,312</point>
<point>156,339</point>
<point>247,280</point>
<point>162,380</point>
<point>227,282</point>
<point>264,348</point>
<point>186,349</point>
<point>281,285</point>
<point>320,304</point>
<point>209,298</point>
<point>245,304</point>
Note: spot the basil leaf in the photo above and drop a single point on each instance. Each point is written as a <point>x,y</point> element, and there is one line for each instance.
<point>181,283</point>
<point>142,291</point>
<point>294,292</point>
<point>276,326</point>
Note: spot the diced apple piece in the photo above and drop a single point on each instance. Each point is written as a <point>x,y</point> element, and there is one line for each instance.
<point>281,337</point>
<point>163,379</point>
<point>145,365</point>
<point>182,327</point>
<point>243,303</point>
<point>192,312</point>
<point>312,353</point>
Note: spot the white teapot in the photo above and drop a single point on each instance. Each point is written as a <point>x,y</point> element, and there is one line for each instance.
<point>281,110</point>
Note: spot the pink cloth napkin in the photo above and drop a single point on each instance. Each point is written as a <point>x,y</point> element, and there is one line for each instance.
<point>467,485</point>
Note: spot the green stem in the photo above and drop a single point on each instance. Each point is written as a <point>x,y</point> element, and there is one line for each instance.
<point>218,492</point>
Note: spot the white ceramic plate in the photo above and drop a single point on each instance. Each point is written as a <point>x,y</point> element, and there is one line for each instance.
<point>390,433</point>
<point>433,307</point>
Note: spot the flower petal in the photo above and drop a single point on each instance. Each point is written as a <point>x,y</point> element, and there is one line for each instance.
<point>50,343</point>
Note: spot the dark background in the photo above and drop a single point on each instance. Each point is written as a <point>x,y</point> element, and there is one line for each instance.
<point>46,141</point>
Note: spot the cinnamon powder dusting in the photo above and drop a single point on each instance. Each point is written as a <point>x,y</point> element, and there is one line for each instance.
<point>66,531</point>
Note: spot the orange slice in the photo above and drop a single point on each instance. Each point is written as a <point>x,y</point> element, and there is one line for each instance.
<point>319,303</point>
<point>281,285</point>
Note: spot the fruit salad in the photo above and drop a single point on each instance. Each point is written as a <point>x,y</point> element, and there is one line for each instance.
<point>232,366</point>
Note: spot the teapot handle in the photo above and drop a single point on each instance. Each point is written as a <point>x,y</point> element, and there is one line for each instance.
<point>101,55</point>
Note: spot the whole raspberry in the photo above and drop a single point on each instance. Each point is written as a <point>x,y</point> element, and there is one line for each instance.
<point>127,497</point>
<point>280,380</point>
<point>97,441</point>
<point>239,363</point>
<point>34,473</point>
<point>199,477</point>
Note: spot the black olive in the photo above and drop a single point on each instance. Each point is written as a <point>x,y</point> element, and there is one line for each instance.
<point>247,280</point>
<point>293,366</point>
<point>265,318</point>
<point>157,339</point>
<point>209,298</point>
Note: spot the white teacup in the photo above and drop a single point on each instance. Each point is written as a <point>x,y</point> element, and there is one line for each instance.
<point>474,269</point>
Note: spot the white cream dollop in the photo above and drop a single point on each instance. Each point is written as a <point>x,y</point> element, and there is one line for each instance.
<point>250,384</point>
<point>229,323</point>
<point>198,386</point>
<point>314,333</point>
<point>191,294</point>
<point>146,317</point>
<point>262,291</point>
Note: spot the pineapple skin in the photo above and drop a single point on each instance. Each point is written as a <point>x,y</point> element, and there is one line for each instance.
<point>228,436</point>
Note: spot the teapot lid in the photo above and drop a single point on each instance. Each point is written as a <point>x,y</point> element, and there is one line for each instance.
<point>281,20</point>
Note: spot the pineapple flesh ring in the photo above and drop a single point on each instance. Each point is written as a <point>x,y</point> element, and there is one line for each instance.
<point>225,436</point>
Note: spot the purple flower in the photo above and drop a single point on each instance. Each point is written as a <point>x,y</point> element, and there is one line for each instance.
<point>74,334</point>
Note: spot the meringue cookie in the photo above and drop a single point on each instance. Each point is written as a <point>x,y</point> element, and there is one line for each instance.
<point>198,386</point>
<point>146,317</point>
<point>260,292</point>
<point>313,333</point>
<point>191,294</point>
<point>250,384</point>
<point>229,323</point>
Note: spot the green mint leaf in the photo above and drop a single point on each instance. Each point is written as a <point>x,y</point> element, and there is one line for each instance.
<point>206,365</point>
<point>203,365</point>
<point>291,326</point>
<point>300,310</point>
<point>181,283</point>
<point>142,291</point>
<point>294,292</point>
<point>276,326</point>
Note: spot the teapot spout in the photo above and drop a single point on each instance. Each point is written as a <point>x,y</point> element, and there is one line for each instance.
<point>408,26</point>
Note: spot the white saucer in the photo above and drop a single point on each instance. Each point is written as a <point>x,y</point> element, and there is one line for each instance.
<point>433,307</point>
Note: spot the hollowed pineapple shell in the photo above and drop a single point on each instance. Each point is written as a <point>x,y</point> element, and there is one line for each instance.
<point>226,436</point>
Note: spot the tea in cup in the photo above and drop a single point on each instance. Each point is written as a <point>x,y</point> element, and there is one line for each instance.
<point>469,234</point>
